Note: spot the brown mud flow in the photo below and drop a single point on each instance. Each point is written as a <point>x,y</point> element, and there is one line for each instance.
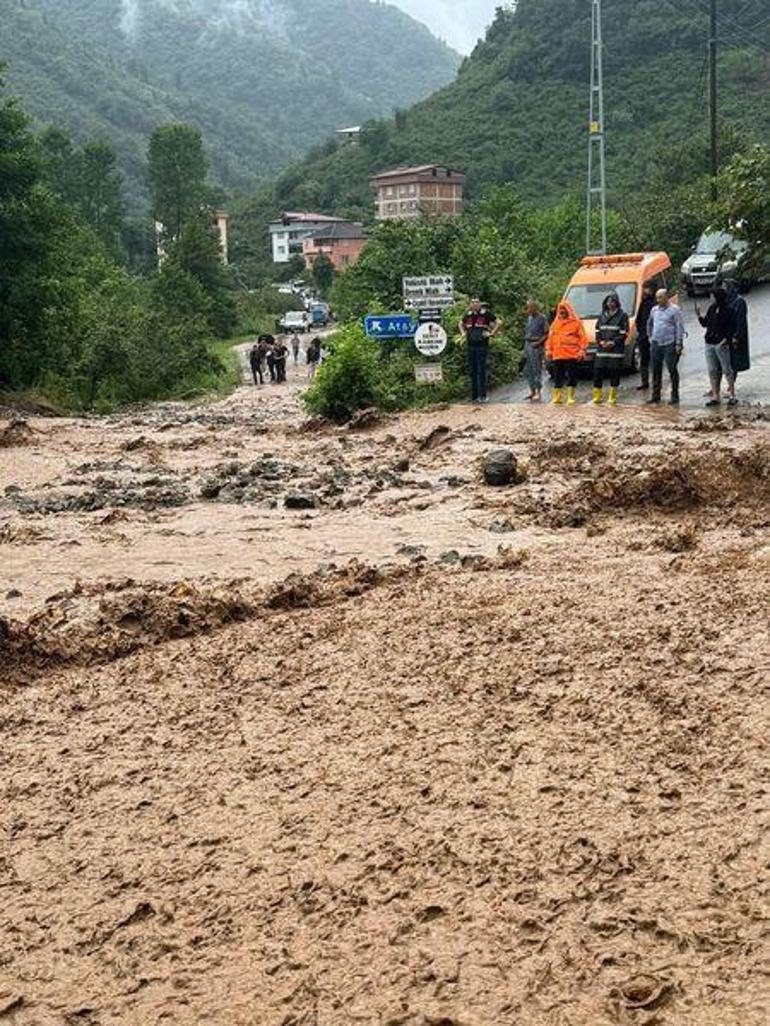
<point>344,735</point>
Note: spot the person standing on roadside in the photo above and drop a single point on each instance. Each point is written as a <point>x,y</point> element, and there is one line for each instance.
<point>478,327</point>
<point>642,336</point>
<point>665,328</point>
<point>256,358</point>
<point>565,350</point>
<point>280,353</point>
<point>295,349</point>
<point>535,335</point>
<point>719,322</point>
<point>741,347</point>
<point>612,330</point>
<point>269,343</point>
<point>313,357</point>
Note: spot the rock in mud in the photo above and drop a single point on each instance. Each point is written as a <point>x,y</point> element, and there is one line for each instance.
<point>500,468</point>
<point>363,419</point>
<point>436,437</point>
<point>17,432</point>
<point>299,500</point>
<point>501,526</point>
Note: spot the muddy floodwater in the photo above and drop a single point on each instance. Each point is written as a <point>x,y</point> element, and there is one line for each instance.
<point>311,726</point>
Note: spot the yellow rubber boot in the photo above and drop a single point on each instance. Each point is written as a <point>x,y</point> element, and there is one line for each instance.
<point>613,400</point>
<point>557,397</point>
<point>570,397</point>
<point>598,396</point>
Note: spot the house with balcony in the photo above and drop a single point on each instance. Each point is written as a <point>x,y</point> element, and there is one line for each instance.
<point>427,190</point>
<point>288,232</point>
<point>341,242</point>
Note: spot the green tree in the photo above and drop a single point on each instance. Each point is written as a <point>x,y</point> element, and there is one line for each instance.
<point>177,175</point>
<point>88,179</point>
<point>196,252</point>
<point>323,274</point>
<point>745,205</point>
<point>100,192</point>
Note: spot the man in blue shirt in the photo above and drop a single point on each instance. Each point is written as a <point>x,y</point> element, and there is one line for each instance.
<point>665,329</point>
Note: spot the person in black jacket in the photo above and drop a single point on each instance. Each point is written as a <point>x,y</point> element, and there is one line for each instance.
<point>719,322</point>
<point>256,359</point>
<point>611,333</point>
<point>642,337</point>
<point>741,348</point>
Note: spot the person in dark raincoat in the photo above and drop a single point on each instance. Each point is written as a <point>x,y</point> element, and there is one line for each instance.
<point>741,350</point>
<point>611,333</point>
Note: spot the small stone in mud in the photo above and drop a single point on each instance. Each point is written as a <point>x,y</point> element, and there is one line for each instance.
<point>411,551</point>
<point>401,466</point>
<point>500,468</point>
<point>501,526</point>
<point>210,489</point>
<point>450,558</point>
<point>13,593</point>
<point>299,500</point>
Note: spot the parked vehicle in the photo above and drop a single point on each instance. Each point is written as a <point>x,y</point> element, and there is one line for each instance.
<point>716,256</point>
<point>319,315</point>
<point>295,322</point>
<point>626,274</point>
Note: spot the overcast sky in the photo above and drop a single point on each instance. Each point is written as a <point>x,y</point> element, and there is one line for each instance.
<point>459,22</point>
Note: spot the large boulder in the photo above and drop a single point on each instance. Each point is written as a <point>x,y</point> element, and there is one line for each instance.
<point>500,468</point>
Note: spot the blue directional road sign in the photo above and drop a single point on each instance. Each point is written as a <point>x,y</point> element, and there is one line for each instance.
<point>390,326</point>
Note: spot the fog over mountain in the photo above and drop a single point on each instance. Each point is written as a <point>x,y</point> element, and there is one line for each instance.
<point>459,22</point>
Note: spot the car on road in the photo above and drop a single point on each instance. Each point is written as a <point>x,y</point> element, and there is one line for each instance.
<point>717,256</point>
<point>626,274</point>
<point>295,322</point>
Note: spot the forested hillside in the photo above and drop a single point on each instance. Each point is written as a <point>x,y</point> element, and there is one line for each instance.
<point>263,79</point>
<point>518,110</point>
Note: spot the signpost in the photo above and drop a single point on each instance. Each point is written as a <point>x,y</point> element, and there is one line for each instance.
<point>429,374</point>
<point>431,339</point>
<point>431,292</point>
<point>389,326</point>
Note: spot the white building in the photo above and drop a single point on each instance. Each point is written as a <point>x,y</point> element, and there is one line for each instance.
<point>289,231</point>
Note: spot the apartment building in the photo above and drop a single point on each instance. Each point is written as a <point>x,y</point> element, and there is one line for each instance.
<point>429,189</point>
<point>290,230</point>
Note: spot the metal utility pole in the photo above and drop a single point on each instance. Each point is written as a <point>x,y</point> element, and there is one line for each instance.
<point>713,44</point>
<point>597,169</point>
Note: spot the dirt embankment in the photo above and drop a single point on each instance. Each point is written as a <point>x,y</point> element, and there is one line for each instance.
<point>346,736</point>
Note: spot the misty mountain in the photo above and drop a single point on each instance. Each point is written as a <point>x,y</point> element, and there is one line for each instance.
<point>460,22</point>
<point>263,79</point>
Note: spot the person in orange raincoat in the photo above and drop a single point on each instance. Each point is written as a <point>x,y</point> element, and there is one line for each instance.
<point>565,349</point>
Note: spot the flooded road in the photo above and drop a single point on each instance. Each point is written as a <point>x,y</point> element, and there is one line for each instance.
<point>752,387</point>
<point>304,725</point>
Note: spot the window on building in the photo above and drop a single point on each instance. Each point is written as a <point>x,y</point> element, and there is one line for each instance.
<point>345,259</point>
<point>412,189</point>
<point>389,190</point>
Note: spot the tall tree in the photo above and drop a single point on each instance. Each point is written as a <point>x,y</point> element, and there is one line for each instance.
<point>100,188</point>
<point>196,252</point>
<point>177,175</point>
<point>323,274</point>
<point>88,179</point>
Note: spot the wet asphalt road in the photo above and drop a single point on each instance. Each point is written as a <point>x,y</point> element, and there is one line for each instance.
<point>753,387</point>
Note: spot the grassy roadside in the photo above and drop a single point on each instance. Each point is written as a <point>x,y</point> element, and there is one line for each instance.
<point>213,382</point>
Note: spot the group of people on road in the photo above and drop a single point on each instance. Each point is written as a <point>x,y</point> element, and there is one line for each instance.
<point>268,357</point>
<point>563,344</point>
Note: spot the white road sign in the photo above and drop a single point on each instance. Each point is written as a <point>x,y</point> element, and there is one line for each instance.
<point>435,291</point>
<point>428,302</point>
<point>431,339</point>
<point>429,374</point>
